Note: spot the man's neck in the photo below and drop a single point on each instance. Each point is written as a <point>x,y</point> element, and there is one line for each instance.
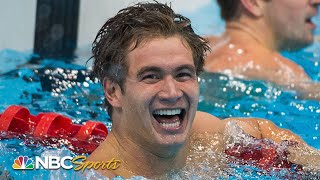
<point>251,32</point>
<point>137,160</point>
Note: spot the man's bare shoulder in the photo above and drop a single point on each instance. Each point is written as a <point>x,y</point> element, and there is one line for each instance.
<point>248,125</point>
<point>207,123</point>
<point>252,61</point>
<point>226,54</point>
<point>263,128</point>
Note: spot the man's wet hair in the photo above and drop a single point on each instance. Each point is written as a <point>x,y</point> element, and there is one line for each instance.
<point>134,25</point>
<point>230,9</point>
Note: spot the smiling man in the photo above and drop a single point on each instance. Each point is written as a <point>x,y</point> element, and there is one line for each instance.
<point>148,59</point>
<point>256,30</point>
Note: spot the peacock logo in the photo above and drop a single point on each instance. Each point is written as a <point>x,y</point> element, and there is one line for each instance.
<point>23,162</point>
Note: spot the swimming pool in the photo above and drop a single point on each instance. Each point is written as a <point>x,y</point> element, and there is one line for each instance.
<point>68,89</point>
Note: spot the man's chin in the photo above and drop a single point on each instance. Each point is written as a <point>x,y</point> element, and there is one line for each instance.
<point>167,141</point>
<point>299,45</point>
<point>171,136</point>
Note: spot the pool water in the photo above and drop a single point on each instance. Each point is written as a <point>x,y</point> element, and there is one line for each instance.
<point>69,89</point>
<point>225,97</point>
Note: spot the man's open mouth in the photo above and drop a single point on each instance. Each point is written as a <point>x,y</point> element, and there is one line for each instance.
<point>169,119</point>
<point>309,21</point>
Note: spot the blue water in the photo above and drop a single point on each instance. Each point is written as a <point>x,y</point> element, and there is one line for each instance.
<point>52,86</point>
<point>239,98</point>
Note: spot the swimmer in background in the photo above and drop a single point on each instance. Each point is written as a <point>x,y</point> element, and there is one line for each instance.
<point>148,60</point>
<point>256,30</point>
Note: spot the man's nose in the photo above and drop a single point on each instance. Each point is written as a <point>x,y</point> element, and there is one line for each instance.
<point>170,91</point>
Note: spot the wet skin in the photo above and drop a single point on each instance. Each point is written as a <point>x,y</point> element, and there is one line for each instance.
<point>290,22</point>
<point>249,47</point>
<point>162,80</point>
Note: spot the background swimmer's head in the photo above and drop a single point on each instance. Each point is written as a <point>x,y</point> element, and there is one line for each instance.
<point>286,24</point>
<point>291,22</point>
<point>133,26</point>
<point>230,9</point>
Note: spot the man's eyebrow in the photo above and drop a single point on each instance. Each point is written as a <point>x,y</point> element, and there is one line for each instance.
<point>148,69</point>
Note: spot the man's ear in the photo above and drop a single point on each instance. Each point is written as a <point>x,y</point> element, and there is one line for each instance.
<point>255,7</point>
<point>112,92</point>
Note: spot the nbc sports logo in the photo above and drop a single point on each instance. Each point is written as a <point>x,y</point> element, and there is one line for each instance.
<point>23,162</point>
<point>66,162</point>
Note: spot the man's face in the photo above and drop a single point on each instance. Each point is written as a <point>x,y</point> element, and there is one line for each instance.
<point>161,93</point>
<point>291,23</point>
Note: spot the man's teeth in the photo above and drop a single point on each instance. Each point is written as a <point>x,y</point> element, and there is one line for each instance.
<point>170,125</point>
<point>167,112</point>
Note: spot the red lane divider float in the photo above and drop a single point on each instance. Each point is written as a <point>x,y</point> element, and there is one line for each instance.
<point>51,129</point>
<point>264,154</point>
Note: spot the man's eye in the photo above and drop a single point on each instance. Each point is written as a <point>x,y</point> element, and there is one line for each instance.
<point>151,78</point>
<point>184,76</point>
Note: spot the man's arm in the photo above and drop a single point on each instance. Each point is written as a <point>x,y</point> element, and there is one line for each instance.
<point>306,156</point>
<point>256,127</point>
<point>299,152</point>
<point>262,128</point>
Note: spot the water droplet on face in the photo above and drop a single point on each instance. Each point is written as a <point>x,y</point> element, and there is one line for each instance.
<point>231,46</point>
<point>240,51</point>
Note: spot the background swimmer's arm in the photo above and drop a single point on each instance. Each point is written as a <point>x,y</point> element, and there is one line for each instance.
<point>309,90</point>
